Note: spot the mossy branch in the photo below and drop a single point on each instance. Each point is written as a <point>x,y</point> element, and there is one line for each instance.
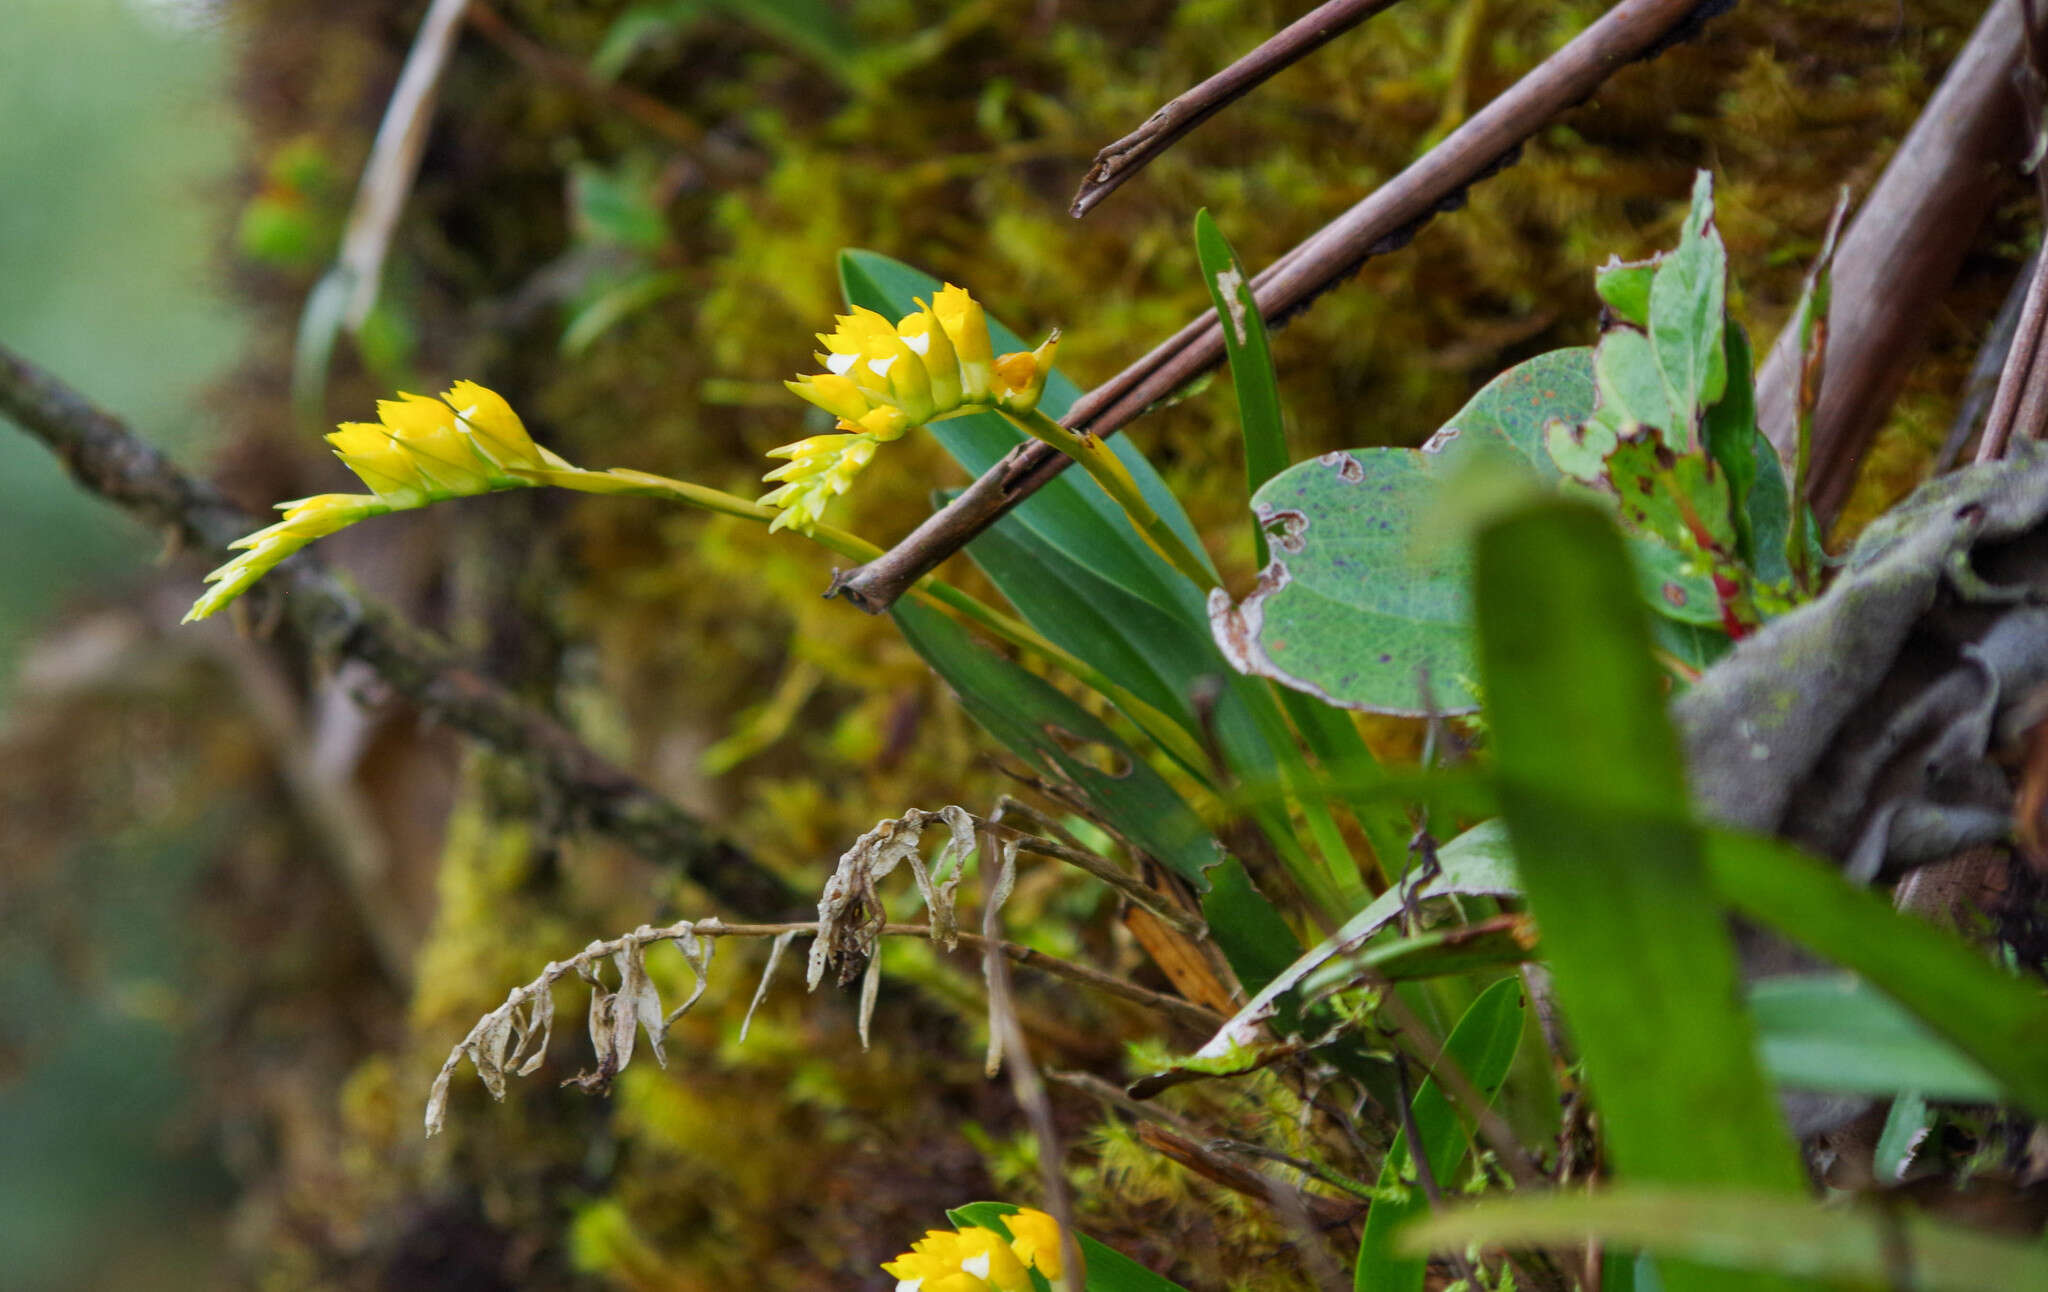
<point>105,457</point>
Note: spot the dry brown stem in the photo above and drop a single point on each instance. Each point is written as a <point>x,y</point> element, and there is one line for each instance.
<point>1899,254</point>
<point>1383,222</point>
<point>1172,123</point>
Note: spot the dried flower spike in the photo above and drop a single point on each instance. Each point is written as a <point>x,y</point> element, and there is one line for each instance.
<point>882,382</point>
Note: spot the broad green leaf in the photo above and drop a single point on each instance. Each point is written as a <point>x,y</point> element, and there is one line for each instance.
<point>1251,360</point>
<point>1063,742</point>
<point>1752,1235</point>
<point>1353,606</point>
<point>1624,287</point>
<point>1995,1019</point>
<point>1688,311</point>
<point>1834,1032</point>
<point>1696,646</point>
<point>1141,647</point>
<point>1108,1269</point>
<point>1483,1047</point>
<point>1596,804</point>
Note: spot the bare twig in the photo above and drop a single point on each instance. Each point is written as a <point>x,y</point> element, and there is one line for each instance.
<point>1326,1212</point>
<point>2018,376</point>
<point>1418,1154</point>
<point>1981,386</point>
<point>105,457</point>
<point>1900,252</point>
<point>395,158</point>
<point>658,117</point>
<point>1383,222</point>
<point>2021,405</point>
<point>1166,127</point>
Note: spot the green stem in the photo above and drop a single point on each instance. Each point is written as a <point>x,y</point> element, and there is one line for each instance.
<point>932,590</point>
<point>1102,466</point>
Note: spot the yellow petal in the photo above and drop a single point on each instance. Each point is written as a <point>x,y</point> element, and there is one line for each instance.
<point>496,429</point>
<point>967,328</point>
<point>926,338</point>
<point>833,393</point>
<point>1035,1237</point>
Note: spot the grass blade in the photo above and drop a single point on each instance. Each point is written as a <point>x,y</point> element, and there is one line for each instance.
<point>1595,799</point>
<point>1992,1017</point>
<point>1483,1045</point>
<point>1756,1233</point>
<point>1251,360</point>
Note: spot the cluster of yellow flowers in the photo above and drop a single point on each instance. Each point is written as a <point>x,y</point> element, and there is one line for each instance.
<point>882,381</point>
<point>420,450</point>
<point>978,1260</point>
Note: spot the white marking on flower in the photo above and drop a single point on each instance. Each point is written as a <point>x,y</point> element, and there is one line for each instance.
<point>977,1265</point>
<point>839,363</point>
<point>919,344</point>
<point>880,367</point>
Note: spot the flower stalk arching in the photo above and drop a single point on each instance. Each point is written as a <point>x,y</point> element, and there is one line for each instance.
<point>469,441</point>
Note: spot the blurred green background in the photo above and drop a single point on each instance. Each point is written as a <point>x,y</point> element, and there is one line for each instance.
<point>115,161</point>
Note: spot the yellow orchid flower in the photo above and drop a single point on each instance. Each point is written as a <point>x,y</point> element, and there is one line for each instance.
<point>881,381</point>
<point>978,1260</point>
<point>419,450</point>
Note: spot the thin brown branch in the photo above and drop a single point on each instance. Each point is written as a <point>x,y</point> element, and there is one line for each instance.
<point>658,117</point>
<point>1899,254</point>
<point>395,158</point>
<point>1383,222</point>
<point>108,459</point>
<point>1026,1085</point>
<point>2021,404</point>
<point>1458,1087</point>
<point>1326,1212</point>
<point>2016,406</point>
<point>1168,126</point>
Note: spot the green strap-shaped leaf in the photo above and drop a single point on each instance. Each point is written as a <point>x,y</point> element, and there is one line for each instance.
<point>1998,1020</point>
<point>1062,741</point>
<point>1752,1236</point>
<point>1835,1032</point>
<point>1250,357</point>
<point>1483,1047</point>
<point>1595,800</point>
<point>1068,745</point>
<point>1072,536</point>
